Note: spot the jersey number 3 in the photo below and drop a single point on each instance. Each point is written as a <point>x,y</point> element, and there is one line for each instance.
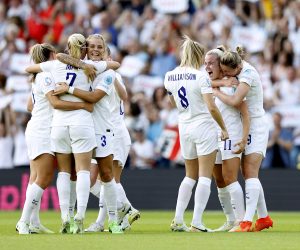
<point>182,95</point>
<point>72,77</point>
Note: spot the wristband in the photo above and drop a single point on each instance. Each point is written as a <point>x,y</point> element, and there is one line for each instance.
<point>71,90</point>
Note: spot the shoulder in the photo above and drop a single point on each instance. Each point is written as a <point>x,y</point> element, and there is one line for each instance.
<point>45,77</point>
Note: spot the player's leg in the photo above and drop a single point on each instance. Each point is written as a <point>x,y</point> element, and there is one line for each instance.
<point>202,193</point>
<point>184,195</point>
<point>224,198</point>
<point>105,165</point>
<point>230,172</point>
<point>45,172</point>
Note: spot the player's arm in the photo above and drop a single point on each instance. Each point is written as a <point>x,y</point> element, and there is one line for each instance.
<point>172,100</point>
<point>246,126</point>
<point>89,69</point>
<point>215,113</point>
<point>226,82</point>
<point>68,106</point>
<point>236,99</point>
<point>29,104</point>
<point>34,68</point>
<point>121,90</point>
<point>92,97</point>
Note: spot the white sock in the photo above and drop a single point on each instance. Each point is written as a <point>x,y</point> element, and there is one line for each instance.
<point>262,211</point>
<point>35,215</point>
<point>102,209</point>
<point>201,198</point>
<point>73,198</point>
<point>34,194</point>
<point>183,198</point>
<point>28,186</point>
<point>63,190</point>
<point>95,190</point>
<point>110,198</point>
<point>237,200</point>
<point>252,193</point>
<point>83,192</point>
<point>224,198</point>
<point>121,196</point>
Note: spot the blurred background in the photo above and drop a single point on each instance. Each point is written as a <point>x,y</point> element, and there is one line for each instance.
<point>144,36</point>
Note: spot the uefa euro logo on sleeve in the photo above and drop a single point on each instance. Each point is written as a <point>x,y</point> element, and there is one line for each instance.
<point>48,81</point>
<point>108,80</point>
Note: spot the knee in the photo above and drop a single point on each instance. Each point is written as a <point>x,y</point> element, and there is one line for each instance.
<point>106,175</point>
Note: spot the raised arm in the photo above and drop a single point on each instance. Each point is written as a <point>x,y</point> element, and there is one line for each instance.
<point>215,113</point>
<point>236,99</point>
<point>35,68</point>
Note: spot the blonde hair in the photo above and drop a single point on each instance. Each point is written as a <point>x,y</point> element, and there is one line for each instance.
<point>75,43</point>
<point>41,52</point>
<point>218,52</point>
<point>233,59</point>
<point>192,53</point>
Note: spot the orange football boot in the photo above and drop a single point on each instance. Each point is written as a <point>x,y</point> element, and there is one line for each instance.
<point>245,226</point>
<point>263,223</point>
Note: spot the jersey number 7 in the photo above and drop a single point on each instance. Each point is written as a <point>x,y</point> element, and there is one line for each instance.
<point>72,77</point>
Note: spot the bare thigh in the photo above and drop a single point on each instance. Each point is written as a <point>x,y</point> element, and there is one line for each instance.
<point>191,169</point>
<point>105,165</point>
<point>206,164</point>
<point>250,165</point>
<point>230,170</point>
<point>44,165</point>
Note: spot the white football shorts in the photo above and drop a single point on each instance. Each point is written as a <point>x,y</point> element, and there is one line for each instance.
<point>258,136</point>
<point>72,139</point>
<point>37,146</point>
<point>121,150</point>
<point>104,145</point>
<point>197,139</point>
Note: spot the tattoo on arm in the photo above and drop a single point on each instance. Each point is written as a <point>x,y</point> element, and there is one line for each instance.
<point>67,59</point>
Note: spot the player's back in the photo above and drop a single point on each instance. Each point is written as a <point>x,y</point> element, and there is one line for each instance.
<point>187,85</point>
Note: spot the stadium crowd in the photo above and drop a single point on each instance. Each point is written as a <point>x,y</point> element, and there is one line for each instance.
<point>145,42</point>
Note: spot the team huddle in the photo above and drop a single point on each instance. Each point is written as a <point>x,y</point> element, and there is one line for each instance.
<point>77,119</point>
<point>219,145</point>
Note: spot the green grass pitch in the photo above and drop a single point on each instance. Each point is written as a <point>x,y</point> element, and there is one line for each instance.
<point>152,231</point>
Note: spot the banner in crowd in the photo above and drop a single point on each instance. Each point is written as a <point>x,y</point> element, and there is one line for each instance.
<point>169,146</point>
<point>253,38</point>
<point>146,84</point>
<point>19,62</point>
<point>170,6</point>
<point>290,114</point>
<point>13,191</point>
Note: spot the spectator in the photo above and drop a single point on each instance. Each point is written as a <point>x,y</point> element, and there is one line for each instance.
<point>279,145</point>
<point>142,151</point>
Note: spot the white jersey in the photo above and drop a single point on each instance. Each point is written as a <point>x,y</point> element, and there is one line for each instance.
<point>77,79</point>
<point>42,113</point>
<point>117,113</point>
<point>187,85</point>
<point>101,113</point>
<point>250,76</point>
<point>231,115</point>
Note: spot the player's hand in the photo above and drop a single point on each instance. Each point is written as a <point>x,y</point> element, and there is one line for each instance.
<point>231,82</point>
<point>90,71</point>
<point>61,88</point>
<point>224,135</point>
<point>89,106</point>
<point>240,147</point>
